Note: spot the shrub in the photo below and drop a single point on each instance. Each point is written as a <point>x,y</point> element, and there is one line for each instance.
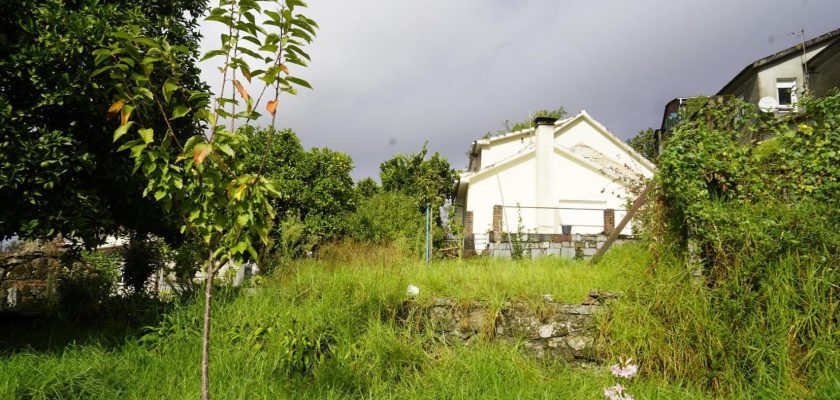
<point>388,217</point>
<point>143,258</point>
<point>187,260</point>
<point>86,287</point>
<point>759,218</point>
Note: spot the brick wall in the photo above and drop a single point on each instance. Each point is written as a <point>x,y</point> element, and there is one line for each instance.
<point>609,221</point>
<point>497,221</point>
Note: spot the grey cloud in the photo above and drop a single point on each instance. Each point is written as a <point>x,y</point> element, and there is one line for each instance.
<point>389,75</point>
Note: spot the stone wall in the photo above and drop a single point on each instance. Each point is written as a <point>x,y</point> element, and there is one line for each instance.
<point>28,278</point>
<point>548,329</point>
<point>575,245</point>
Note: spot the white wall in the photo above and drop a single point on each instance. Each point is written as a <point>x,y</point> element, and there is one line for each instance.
<point>501,149</point>
<point>580,186</point>
<point>581,131</point>
<point>576,185</point>
<point>517,186</point>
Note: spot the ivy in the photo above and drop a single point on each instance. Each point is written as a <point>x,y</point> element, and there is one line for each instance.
<point>726,155</point>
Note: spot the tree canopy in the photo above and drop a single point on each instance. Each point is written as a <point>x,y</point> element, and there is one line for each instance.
<point>558,113</point>
<point>428,181</point>
<point>60,171</point>
<point>316,187</point>
<point>644,144</point>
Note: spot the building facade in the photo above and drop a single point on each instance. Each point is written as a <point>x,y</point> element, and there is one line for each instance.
<point>560,177</point>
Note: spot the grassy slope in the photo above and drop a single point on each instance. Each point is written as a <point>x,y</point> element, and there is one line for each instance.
<point>352,303</point>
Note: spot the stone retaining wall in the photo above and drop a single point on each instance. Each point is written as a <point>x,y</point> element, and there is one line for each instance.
<point>549,329</point>
<point>28,279</point>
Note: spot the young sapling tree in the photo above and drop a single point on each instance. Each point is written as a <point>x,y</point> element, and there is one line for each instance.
<point>204,180</point>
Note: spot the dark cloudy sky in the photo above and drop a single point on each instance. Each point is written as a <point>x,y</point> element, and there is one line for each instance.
<point>391,74</point>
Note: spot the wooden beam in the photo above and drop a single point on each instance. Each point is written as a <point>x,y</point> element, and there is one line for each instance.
<point>637,204</point>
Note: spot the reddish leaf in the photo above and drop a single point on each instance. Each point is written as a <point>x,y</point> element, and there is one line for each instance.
<point>271,106</point>
<point>126,114</point>
<point>116,107</point>
<point>241,89</point>
<point>200,152</point>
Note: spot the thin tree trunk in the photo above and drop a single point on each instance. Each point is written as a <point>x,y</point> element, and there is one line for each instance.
<point>205,340</point>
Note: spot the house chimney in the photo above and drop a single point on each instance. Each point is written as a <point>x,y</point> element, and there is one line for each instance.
<point>544,143</point>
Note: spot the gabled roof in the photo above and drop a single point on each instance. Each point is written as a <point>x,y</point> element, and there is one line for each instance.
<point>505,136</point>
<point>817,61</point>
<point>558,126</point>
<point>581,153</point>
<point>610,136</point>
<point>784,54</point>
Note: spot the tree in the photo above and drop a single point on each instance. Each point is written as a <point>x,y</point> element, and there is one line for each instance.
<point>427,181</point>
<point>367,187</point>
<point>328,194</point>
<point>644,144</point>
<point>60,174</point>
<point>558,113</point>
<point>316,185</point>
<point>142,258</point>
<point>205,180</point>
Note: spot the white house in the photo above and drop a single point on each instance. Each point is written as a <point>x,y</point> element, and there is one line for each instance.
<point>569,173</point>
<point>785,76</point>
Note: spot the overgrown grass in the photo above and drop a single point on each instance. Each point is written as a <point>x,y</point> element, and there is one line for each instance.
<point>341,314</point>
<point>777,339</point>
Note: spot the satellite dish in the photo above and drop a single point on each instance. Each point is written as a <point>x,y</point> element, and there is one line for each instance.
<point>768,104</point>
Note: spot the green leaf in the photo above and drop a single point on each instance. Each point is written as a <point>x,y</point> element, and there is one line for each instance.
<point>101,70</point>
<point>213,53</point>
<point>180,111</point>
<point>226,149</point>
<point>146,92</point>
<point>147,42</point>
<point>168,87</point>
<point>122,130</point>
<point>295,3</point>
<point>299,81</point>
<point>228,21</point>
<point>146,134</point>
<point>240,247</point>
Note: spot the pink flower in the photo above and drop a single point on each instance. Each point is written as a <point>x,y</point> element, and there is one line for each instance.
<point>624,369</point>
<point>617,393</point>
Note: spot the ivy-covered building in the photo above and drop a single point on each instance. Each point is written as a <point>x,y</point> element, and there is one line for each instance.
<point>775,83</point>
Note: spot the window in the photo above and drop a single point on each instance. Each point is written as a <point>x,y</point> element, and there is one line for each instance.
<point>786,92</point>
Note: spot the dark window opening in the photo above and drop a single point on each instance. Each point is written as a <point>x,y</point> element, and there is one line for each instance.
<point>785,97</point>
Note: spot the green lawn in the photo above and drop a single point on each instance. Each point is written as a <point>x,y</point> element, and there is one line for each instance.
<point>348,306</point>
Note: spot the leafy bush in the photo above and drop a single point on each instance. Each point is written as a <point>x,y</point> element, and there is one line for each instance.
<point>316,185</point>
<point>143,257</point>
<point>86,288</point>
<point>750,200</point>
<point>187,260</point>
<point>388,217</point>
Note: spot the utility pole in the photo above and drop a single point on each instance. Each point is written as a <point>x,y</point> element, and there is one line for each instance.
<point>801,34</point>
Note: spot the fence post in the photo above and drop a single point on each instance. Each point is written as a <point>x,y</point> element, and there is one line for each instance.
<point>428,243</point>
<point>609,221</point>
<point>497,222</point>
<point>637,204</point>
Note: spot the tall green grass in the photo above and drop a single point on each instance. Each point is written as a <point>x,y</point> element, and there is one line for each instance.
<point>775,339</point>
<point>351,305</point>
